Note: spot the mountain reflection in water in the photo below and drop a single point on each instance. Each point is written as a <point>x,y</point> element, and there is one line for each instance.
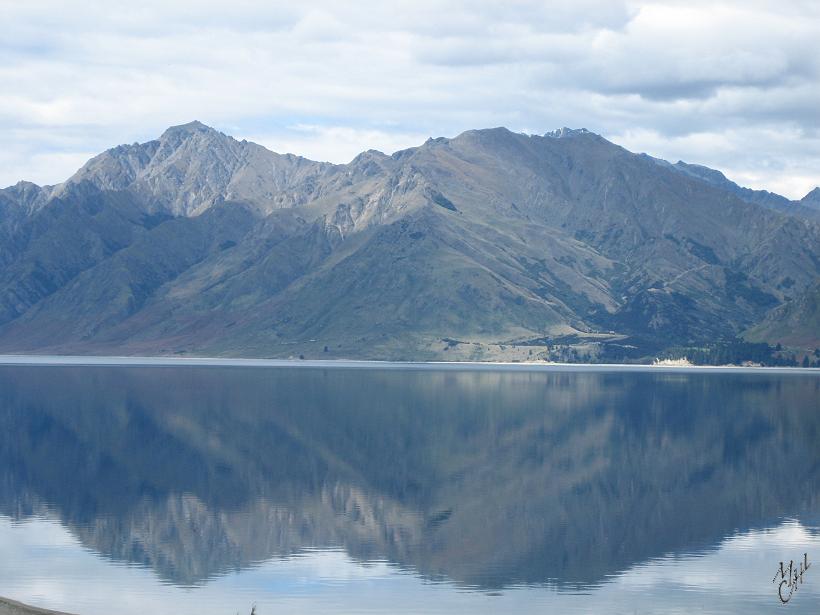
<point>485,479</point>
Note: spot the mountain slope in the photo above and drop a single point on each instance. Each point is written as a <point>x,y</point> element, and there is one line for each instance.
<point>120,285</point>
<point>795,323</point>
<point>486,244</point>
<point>47,249</point>
<point>812,200</point>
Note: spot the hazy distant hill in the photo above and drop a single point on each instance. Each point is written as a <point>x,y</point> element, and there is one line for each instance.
<point>765,198</point>
<point>490,244</point>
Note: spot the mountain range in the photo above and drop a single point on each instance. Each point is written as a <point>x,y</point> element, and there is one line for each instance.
<point>492,244</point>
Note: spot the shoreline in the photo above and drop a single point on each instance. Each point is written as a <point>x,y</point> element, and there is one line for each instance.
<point>12,607</point>
<point>165,361</point>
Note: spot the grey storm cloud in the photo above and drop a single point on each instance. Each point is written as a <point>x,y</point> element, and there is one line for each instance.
<point>734,85</point>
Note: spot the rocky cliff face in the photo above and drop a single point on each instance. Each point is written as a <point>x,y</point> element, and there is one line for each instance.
<point>491,242</point>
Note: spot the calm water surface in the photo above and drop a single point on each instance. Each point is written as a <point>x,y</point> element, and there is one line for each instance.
<point>323,490</point>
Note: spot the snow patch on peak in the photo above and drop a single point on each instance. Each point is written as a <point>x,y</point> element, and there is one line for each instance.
<point>563,133</point>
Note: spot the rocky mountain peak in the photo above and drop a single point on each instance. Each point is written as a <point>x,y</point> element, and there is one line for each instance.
<point>192,166</point>
<point>565,133</point>
<point>812,198</point>
<point>195,132</point>
<point>25,195</point>
<point>811,202</point>
<point>483,135</point>
<point>188,129</point>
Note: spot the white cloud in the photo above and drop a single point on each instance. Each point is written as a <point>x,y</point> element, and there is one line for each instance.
<point>40,167</point>
<point>335,143</point>
<point>730,78</point>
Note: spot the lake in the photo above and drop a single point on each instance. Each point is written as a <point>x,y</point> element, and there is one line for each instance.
<point>431,489</point>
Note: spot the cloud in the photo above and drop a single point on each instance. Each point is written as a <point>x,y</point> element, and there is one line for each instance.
<point>328,80</point>
<point>335,143</point>
<point>686,51</point>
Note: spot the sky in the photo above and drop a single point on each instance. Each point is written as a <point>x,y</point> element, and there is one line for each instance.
<point>734,85</point>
